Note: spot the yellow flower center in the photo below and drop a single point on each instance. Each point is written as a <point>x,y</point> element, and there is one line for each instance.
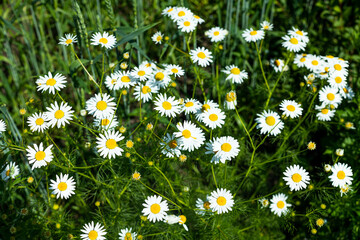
<point>174,70</point>
<point>181,14</point>
<point>201,55</point>
<point>340,175</point>
<point>296,177</point>
<point>51,82</point>
<point>197,17</point>
<point>266,27</point>
<point>186,23</point>
<point>330,96</point>
<point>8,172</point>
<point>338,80</point>
<point>111,144</point>
<point>103,40</point>
<point>136,175</point>
<point>337,67</point>
<point>125,79</point>
<point>280,204</point>
<point>206,205</point>
<point>291,108</point>
<point>172,144</point>
<point>141,73</point>
<point>230,97</point>
<point>105,122</point>
<point>39,121</point>
<point>62,186</point>
<point>320,222</point>
<point>155,208</point>
<point>329,56</point>
<point>158,38</point>
<point>221,201</point>
<point>213,117</point>
<point>101,105</point>
<point>59,114</point>
<point>189,104</point>
<point>216,33</point>
<point>128,236</point>
<point>252,33</point>
<point>270,120</point>
<point>68,41</point>
<point>293,41</point>
<point>182,219</point>
<point>324,111</point>
<point>314,62</point>
<point>93,235</point>
<point>226,147</point>
<point>186,133</point>
<point>170,10</point>
<point>166,105</point>
<point>345,90</point>
<point>113,81</point>
<point>159,76</point>
<point>277,63</point>
<point>302,59</point>
<point>235,71</point>
<point>146,90</point>
<point>299,32</point>
<point>40,155</point>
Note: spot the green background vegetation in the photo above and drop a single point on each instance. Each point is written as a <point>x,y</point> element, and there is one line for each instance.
<point>30,31</point>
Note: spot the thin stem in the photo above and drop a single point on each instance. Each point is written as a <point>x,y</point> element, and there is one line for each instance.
<point>213,173</point>
<point>167,126</point>
<point>172,189</point>
<point>178,49</point>
<point>70,164</point>
<point>262,69</point>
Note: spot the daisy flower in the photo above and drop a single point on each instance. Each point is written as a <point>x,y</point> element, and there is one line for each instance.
<point>39,157</point>
<point>223,148</point>
<point>198,19</point>
<point>301,59</point>
<point>168,11</point>
<point>339,152</point>
<point>2,126</point>
<point>63,186</point>
<point>148,65</point>
<point>145,91</point>
<point>299,34</point>
<point>264,202</point>
<point>187,24</point>
<point>11,171</point>
<point>203,206</point>
<point>277,64</point>
<point>182,221</point>
<point>107,144</point>
<point>68,39</point>
<point>38,122</point>
<point>106,123</point>
<point>167,106</point>
<point>278,205</point>
<point>125,79</point>
<point>105,40</point>
<point>175,70</point>
<point>235,74</point>
<point>311,145</point>
<point>296,177</point>
<point>190,106</point>
<point>341,175</point>
<point>213,118</point>
<point>127,234</point>
<point>181,13</point>
<point>191,137</point>
<point>347,93</point>
<point>157,37</point>
<point>324,114</point>
<point>216,34</point>
<point>251,35</point>
<point>269,122</point>
<point>339,67</point>
<point>329,95</point>
<point>171,147</point>
<point>101,107</point>
<point>142,73</point>
<point>155,208</point>
<point>93,232</point>
<point>266,26</point>
<point>221,201</point>
<point>51,83</point>
<point>111,82</point>
<point>345,189</point>
<point>293,44</point>
<point>291,108</point>
<point>337,80</point>
<point>161,78</point>
<point>59,115</point>
<point>201,56</point>
<point>208,104</point>
<point>231,100</point>
<point>315,64</point>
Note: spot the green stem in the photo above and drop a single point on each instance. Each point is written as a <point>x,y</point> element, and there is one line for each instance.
<point>262,69</point>
<point>213,173</point>
<point>70,164</point>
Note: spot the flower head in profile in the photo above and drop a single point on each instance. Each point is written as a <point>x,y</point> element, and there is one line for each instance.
<point>11,171</point>
<point>104,39</point>
<point>2,126</point>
